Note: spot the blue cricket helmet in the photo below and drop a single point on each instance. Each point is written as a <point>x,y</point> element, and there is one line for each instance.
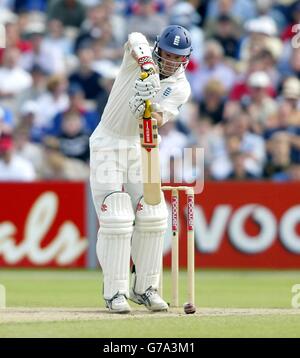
<point>175,39</point>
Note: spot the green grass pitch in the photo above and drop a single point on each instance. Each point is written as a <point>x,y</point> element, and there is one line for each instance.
<point>68,303</point>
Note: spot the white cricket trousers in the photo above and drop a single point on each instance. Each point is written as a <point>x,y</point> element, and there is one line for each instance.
<point>116,167</point>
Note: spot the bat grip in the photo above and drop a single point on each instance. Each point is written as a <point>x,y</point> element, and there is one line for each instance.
<point>147,112</point>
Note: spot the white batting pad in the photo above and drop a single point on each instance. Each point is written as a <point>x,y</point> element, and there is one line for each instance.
<point>113,245</point>
<point>147,244</point>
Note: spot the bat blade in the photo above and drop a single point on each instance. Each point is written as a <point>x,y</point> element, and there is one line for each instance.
<point>150,161</point>
<point>151,176</point>
<point>150,155</point>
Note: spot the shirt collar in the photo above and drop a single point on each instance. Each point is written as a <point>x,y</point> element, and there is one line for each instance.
<point>173,78</point>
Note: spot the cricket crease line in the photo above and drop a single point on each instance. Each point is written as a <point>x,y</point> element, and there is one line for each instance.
<point>52,314</point>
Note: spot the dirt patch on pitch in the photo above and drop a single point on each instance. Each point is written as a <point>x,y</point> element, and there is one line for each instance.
<point>20,315</point>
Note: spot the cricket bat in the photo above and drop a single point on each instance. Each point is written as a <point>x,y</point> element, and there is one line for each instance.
<point>150,155</point>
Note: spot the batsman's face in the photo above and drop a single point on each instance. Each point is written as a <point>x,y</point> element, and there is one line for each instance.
<point>170,62</point>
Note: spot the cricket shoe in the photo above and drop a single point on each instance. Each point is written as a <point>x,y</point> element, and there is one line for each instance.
<point>151,299</point>
<point>118,304</point>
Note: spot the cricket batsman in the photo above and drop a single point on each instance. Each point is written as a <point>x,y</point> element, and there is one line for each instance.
<point>129,227</point>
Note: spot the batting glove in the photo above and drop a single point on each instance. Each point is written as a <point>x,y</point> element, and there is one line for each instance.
<point>137,106</point>
<point>147,88</point>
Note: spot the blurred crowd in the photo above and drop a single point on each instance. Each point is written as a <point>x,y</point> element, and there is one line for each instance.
<point>59,59</point>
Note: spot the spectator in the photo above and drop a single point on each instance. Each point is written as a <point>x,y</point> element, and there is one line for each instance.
<point>115,13</point>
<point>73,139</point>
<point>57,39</point>
<point>213,67</point>
<point>147,20</point>
<point>13,79</point>
<point>13,36</point>
<point>291,89</point>
<point>240,90</point>
<point>91,117</point>
<point>105,49</point>
<point>259,104</point>
<point>226,34</point>
<point>287,119</point>
<point>269,8</point>
<point>279,155</point>
<point>291,96</point>
<point>38,87</point>
<point>239,170</point>
<point>260,30</point>
<point>77,106</point>
<point>12,166</point>
<point>91,28</point>
<point>184,14</point>
<point>85,77</point>
<point>241,10</point>
<point>212,104</point>
<point>58,167</point>
<point>27,150</point>
<point>98,27</point>
<point>50,59</point>
<point>56,100</point>
<point>205,135</point>
<point>231,109</point>
<point>69,12</point>
<point>28,119</point>
<point>237,137</point>
<point>268,58</point>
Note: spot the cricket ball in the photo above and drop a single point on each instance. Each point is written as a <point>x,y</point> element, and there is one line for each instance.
<point>189,308</point>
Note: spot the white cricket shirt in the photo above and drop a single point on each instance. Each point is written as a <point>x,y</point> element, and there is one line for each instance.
<point>117,119</point>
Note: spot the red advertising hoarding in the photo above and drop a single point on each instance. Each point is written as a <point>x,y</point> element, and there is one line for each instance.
<point>243,225</point>
<point>43,224</point>
<point>237,225</point>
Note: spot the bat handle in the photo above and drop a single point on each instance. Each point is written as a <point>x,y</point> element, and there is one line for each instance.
<point>144,75</point>
<point>147,113</point>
